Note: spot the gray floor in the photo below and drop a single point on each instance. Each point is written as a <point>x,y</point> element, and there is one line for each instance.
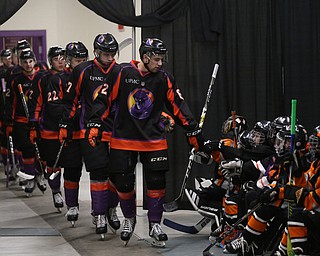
<point>32,226</point>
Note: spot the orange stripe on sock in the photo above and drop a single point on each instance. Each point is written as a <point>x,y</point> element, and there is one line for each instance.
<point>71,184</point>
<point>98,186</point>
<point>158,193</point>
<point>112,187</point>
<point>126,196</point>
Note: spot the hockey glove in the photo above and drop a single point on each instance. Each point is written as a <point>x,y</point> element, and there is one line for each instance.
<point>294,194</point>
<point>232,164</point>
<point>167,122</point>
<point>65,132</point>
<point>268,194</point>
<point>9,129</point>
<point>212,145</point>
<point>195,139</point>
<point>249,186</point>
<point>34,131</point>
<point>202,158</point>
<point>93,133</point>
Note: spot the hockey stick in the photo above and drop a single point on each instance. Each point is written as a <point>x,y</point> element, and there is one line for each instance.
<point>4,88</point>
<point>14,170</point>
<point>174,205</point>
<point>291,181</point>
<point>187,229</point>
<point>26,110</point>
<point>55,174</point>
<point>223,235</point>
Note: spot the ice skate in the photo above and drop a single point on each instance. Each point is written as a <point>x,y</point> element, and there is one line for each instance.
<point>22,182</point>
<point>101,227</point>
<point>113,220</point>
<point>72,215</point>
<point>128,226</point>
<point>58,201</point>
<point>41,182</point>
<point>29,187</point>
<point>159,237</point>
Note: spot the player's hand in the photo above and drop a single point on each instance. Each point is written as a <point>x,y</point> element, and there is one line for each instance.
<point>93,133</point>
<point>195,139</point>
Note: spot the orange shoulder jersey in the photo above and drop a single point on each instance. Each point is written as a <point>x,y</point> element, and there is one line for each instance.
<point>140,98</point>
<point>86,81</point>
<point>31,93</point>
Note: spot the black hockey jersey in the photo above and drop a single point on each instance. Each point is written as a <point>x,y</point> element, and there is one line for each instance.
<point>140,98</point>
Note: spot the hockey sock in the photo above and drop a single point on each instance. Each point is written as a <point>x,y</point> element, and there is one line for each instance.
<point>28,166</point>
<point>98,190</point>
<point>128,203</point>
<point>113,198</point>
<point>71,191</point>
<point>155,200</point>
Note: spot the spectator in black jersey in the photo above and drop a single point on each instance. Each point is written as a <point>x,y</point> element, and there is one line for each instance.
<point>140,133</point>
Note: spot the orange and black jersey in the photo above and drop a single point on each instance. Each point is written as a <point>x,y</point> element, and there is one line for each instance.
<point>86,81</point>
<point>140,98</point>
<point>31,93</point>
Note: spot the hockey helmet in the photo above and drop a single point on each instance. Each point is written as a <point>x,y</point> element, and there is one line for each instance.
<point>76,50</point>
<point>244,140</point>
<point>283,139</point>
<point>314,143</point>
<point>27,54</point>
<point>153,46</point>
<point>241,124</point>
<point>55,51</point>
<point>22,44</point>
<point>6,53</point>
<point>105,43</point>
<point>262,133</point>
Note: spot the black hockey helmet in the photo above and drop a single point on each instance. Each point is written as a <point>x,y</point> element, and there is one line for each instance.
<point>281,121</point>
<point>55,51</point>
<point>76,50</point>
<point>105,43</point>
<point>22,44</point>
<point>262,133</point>
<point>241,124</point>
<point>283,139</point>
<point>244,140</point>
<point>153,46</point>
<point>6,53</point>
<point>27,54</point>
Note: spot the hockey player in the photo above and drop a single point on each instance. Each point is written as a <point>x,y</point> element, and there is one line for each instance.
<point>254,232</point>
<point>86,81</point>
<point>71,156</point>
<point>303,225</point>
<point>141,90</point>
<point>25,130</point>
<point>47,109</point>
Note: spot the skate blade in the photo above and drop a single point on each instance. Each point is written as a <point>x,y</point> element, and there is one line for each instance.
<point>73,223</point>
<point>159,244</point>
<point>102,236</point>
<point>25,176</point>
<point>29,195</point>
<point>59,209</point>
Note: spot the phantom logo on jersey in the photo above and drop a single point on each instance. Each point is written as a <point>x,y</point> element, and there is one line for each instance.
<point>140,103</point>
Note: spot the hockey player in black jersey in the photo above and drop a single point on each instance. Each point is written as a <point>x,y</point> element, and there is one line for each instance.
<point>140,91</point>
<point>86,81</point>
<point>24,92</point>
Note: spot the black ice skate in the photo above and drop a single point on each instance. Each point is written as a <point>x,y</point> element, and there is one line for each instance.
<point>58,201</point>
<point>113,220</point>
<point>128,226</point>
<point>30,186</point>
<point>41,182</point>
<point>101,227</point>
<point>159,237</point>
<point>72,215</point>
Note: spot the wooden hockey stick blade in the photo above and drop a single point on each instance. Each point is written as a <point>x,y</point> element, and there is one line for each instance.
<point>187,229</point>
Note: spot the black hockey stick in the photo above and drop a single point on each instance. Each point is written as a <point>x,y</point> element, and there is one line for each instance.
<point>56,173</point>
<point>14,170</point>
<point>187,229</point>
<point>223,235</point>
<point>174,205</point>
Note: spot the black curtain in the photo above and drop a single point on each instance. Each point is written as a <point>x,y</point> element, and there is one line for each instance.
<point>8,8</point>
<point>268,52</point>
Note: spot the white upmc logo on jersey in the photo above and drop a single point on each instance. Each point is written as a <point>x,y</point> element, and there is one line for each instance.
<point>132,81</point>
<point>159,159</point>
<point>96,78</point>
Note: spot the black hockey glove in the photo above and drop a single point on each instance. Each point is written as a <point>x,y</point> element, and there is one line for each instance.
<point>94,132</point>
<point>212,145</point>
<point>65,131</point>
<point>34,131</point>
<point>202,158</point>
<point>268,194</point>
<point>294,194</point>
<point>195,139</point>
